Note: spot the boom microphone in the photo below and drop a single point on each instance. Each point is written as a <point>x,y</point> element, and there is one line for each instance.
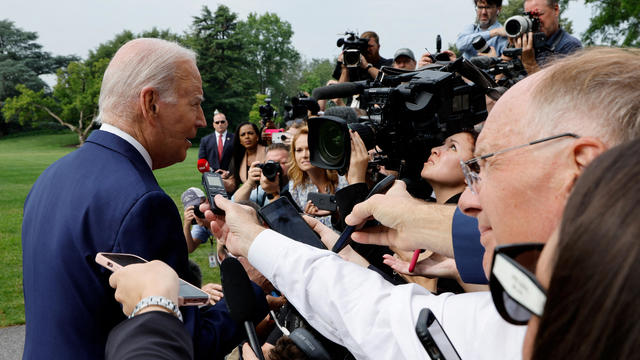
<point>484,62</point>
<point>339,90</point>
<point>240,299</point>
<point>203,166</point>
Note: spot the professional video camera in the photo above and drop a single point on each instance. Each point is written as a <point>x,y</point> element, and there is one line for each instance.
<point>352,47</point>
<point>513,70</point>
<point>408,114</point>
<point>267,112</point>
<point>270,169</point>
<point>518,25</point>
<point>299,106</point>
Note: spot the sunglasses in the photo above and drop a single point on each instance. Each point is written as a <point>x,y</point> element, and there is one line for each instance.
<point>516,292</point>
<point>219,122</point>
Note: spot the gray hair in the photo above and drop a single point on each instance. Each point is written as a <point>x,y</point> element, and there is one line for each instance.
<point>139,63</point>
<point>594,93</point>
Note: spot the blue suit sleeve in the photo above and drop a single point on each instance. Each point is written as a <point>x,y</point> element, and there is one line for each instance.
<point>467,249</point>
<point>202,152</point>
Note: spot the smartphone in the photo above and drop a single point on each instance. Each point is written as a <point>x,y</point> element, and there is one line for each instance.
<point>279,137</point>
<point>188,295</point>
<point>380,188</point>
<point>282,217</point>
<point>323,201</point>
<point>213,185</point>
<point>433,338</point>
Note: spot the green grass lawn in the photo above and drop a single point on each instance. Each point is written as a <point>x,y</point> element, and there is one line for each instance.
<point>22,159</point>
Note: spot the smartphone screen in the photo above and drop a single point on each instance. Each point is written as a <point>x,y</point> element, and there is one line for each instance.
<point>434,339</point>
<point>282,217</point>
<point>188,294</point>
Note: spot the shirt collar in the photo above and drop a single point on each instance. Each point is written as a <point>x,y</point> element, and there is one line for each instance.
<point>130,139</point>
<point>224,134</point>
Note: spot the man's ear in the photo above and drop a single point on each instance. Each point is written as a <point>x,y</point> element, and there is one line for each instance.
<point>149,103</point>
<point>583,151</point>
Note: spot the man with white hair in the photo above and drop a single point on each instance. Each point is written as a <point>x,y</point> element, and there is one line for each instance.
<point>104,197</point>
<point>536,142</point>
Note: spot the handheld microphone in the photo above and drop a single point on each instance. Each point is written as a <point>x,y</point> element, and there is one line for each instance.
<point>240,299</point>
<point>340,90</point>
<point>203,166</point>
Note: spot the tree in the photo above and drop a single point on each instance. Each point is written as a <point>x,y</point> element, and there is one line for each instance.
<point>315,74</point>
<point>223,63</point>
<point>22,61</point>
<point>271,55</point>
<point>616,23</point>
<point>73,103</point>
<point>254,114</point>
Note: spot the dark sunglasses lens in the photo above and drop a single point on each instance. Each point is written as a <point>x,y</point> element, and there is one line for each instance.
<point>514,310</point>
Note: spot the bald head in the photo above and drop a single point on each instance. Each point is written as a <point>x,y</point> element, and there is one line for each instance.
<point>138,64</point>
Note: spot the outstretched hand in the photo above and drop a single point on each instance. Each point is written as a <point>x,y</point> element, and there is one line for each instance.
<point>433,266</point>
<point>237,228</point>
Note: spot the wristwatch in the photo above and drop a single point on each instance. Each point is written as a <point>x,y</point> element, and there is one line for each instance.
<point>159,301</point>
<point>369,66</point>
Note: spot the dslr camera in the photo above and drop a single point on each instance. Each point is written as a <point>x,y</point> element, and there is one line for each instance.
<point>518,25</point>
<point>267,112</point>
<point>270,169</point>
<point>408,113</point>
<point>352,47</point>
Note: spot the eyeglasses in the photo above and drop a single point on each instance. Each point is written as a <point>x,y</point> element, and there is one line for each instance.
<point>481,8</point>
<point>515,291</point>
<point>471,168</point>
<point>220,122</point>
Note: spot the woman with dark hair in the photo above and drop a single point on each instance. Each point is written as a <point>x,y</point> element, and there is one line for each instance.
<point>247,148</point>
<point>582,302</point>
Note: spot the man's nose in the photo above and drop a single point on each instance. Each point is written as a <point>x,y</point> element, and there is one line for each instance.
<point>469,203</point>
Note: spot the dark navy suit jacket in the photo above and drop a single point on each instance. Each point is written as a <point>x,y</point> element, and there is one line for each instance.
<point>209,151</point>
<point>101,197</point>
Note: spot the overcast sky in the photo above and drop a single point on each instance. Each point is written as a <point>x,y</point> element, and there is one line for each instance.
<point>77,26</point>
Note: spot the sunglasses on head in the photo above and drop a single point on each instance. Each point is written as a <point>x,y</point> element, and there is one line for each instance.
<point>516,292</point>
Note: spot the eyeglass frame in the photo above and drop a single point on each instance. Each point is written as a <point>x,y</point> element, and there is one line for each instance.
<point>472,177</point>
<point>220,122</point>
<point>497,289</point>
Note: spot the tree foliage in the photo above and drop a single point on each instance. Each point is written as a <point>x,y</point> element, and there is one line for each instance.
<point>616,23</point>
<point>316,73</point>
<point>22,61</point>
<point>73,103</point>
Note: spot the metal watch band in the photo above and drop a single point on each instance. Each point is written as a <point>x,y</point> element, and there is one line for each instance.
<point>159,301</point>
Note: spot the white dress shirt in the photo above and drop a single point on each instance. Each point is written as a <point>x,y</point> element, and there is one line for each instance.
<point>357,308</point>
<point>130,139</point>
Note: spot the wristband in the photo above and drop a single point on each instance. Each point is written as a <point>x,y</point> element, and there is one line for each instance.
<point>159,301</point>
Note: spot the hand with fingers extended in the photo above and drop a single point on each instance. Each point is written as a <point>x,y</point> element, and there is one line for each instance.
<point>358,161</point>
<point>311,209</point>
<point>407,223</point>
<point>433,266</point>
<point>237,228</point>
<point>214,291</point>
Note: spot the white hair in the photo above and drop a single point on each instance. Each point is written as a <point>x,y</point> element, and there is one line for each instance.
<point>594,93</point>
<point>139,63</point>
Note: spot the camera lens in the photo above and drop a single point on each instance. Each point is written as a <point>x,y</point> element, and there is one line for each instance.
<point>331,143</point>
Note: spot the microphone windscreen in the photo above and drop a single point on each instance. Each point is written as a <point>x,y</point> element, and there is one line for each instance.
<point>203,165</point>
<point>237,289</point>
<point>339,90</point>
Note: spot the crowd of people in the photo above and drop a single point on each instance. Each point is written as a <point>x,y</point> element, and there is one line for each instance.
<point>526,247</point>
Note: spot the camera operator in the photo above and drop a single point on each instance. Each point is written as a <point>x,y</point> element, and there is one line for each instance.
<point>487,26</point>
<point>558,42</point>
<point>258,188</point>
<point>370,61</point>
<point>194,226</point>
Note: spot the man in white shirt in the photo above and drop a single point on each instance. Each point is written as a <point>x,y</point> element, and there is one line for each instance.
<point>537,140</point>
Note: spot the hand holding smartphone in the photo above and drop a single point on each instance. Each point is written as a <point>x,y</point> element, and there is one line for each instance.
<point>188,295</point>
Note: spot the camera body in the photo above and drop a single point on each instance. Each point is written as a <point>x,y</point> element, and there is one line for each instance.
<point>518,25</point>
<point>267,112</point>
<point>352,47</point>
<point>270,169</point>
<point>408,114</point>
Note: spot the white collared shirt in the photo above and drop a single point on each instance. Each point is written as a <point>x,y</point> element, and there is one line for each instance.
<point>224,136</point>
<point>130,139</point>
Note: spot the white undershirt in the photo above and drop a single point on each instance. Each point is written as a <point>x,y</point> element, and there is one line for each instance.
<point>224,136</point>
<point>130,139</point>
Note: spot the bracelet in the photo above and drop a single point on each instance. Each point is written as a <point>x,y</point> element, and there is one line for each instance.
<point>160,301</point>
